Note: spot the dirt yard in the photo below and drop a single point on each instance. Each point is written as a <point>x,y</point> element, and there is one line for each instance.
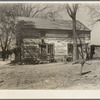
<point>49,76</point>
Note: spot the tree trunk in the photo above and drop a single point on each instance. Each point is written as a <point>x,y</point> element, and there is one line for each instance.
<point>74,40</point>
<point>3,55</point>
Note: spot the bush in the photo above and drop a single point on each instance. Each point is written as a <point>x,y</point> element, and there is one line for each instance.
<point>30,61</point>
<point>43,56</point>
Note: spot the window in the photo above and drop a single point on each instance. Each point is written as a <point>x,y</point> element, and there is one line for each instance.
<point>47,48</point>
<point>50,48</point>
<point>70,49</point>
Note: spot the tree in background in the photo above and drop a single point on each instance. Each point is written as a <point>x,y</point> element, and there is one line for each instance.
<point>7,28</point>
<point>8,16</point>
<point>28,9</point>
<point>94,12</point>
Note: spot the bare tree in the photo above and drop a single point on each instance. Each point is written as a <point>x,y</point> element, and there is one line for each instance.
<point>94,12</point>
<point>7,28</point>
<point>8,17</point>
<point>72,11</point>
<point>28,10</point>
<point>83,47</point>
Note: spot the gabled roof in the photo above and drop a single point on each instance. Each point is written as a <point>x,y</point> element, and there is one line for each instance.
<point>42,23</point>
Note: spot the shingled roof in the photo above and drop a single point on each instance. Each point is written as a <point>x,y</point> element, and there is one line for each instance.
<point>42,23</point>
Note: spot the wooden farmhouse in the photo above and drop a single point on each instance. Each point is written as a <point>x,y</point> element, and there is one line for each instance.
<point>43,38</point>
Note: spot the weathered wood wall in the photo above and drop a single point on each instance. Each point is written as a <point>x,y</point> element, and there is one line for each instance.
<point>59,38</point>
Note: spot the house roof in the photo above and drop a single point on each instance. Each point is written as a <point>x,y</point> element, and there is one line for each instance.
<point>42,23</point>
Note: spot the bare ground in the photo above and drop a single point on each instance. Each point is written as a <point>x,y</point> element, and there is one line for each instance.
<point>49,76</point>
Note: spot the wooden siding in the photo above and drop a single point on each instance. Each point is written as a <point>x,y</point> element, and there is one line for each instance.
<point>60,45</point>
<point>58,34</point>
<point>34,33</point>
<point>59,39</point>
<point>30,33</point>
